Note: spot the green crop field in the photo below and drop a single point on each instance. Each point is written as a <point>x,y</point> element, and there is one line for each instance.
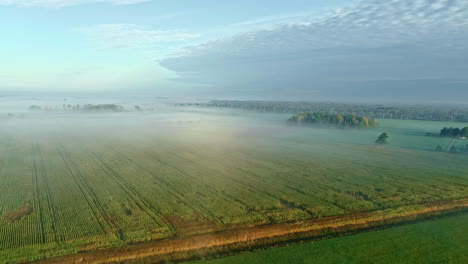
<point>70,184</point>
<point>439,241</point>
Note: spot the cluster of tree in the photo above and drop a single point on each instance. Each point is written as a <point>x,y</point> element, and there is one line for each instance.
<point>404,112</point>
<point>35,108</point>
<point>87,107</point>
<point>454,132</point>
<point>382,139</point>
<point>333,120</point>
<point>103,108</point>
<point>70,107</point>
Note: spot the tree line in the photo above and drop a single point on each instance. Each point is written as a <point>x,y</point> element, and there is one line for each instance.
<point>86,108</point>
<point>333,120</point>
<point>454,132</point>
<point>449,113</point>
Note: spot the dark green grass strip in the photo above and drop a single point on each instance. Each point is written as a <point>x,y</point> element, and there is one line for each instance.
<point>439,241</point>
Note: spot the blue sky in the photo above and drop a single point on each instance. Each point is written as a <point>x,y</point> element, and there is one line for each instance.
<point>61,45</point>
<point>299,49</point>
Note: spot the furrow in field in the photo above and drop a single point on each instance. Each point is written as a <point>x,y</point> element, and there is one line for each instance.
<point>37,198</point>
<point>351,177</point>
<point>132,192</point>
<point>155,179</point>
<point>189,179</point>
<point>148,170</point>
<point>3,157</point>
<point>90,190</point>
<point>77,177</point>
<point>175,182</point>
<point>50,205</point>
<point>274,175</point>
<point>269,182</point>
<point>253,188</point>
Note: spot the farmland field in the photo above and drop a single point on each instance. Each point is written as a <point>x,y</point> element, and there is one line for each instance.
<point>73,183</point>
<point>440,241</point>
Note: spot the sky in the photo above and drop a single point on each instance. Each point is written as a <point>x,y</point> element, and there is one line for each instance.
<point>395,50</point>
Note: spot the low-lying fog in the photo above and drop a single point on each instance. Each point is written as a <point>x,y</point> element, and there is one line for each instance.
<point>162,118</point>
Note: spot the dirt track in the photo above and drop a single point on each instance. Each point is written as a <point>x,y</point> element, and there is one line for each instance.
<point>188,247</point>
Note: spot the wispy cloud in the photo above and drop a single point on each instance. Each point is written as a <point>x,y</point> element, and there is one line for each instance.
<point>370,40</point>
<point>276,19</point>
<point>65,3</point>
<point>132,36</point>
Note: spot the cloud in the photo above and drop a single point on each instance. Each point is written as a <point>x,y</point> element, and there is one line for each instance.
<point>353,47</point>
<point>65,3</point>
<point>131,36</point>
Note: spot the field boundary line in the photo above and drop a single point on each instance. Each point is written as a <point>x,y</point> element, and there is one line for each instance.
<point>185,248</point>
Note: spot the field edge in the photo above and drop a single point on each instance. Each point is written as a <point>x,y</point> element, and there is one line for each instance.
<point>226,243</point>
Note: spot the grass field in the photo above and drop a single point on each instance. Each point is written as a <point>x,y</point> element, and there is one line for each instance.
<point>75,183</point>
<point>439,241</point>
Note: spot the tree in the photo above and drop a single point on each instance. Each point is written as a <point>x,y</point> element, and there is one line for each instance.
<point>365,122</point>
<point>35,108</point>
<point>454,132</point>
<point>439,148</point>
<point>464,132</point>
<point>324,119</point>
<point>444,132</point>
<point>382,139</point>
<point>450,132</point>
<point>453,149</point>
<point>339,120</point>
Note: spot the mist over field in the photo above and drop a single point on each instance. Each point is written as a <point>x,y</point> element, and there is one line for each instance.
<point>185,131</point>
<point>169,119</point>
<point>144,170</point>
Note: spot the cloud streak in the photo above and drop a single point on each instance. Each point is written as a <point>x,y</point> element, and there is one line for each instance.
<point>120,36</point>
<point>340,52</point>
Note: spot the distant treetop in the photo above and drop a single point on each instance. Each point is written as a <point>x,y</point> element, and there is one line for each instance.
<point>382,139</point>
<point>103,107</point>
<point>88,108</point>
<point>333,120</point>
<point>402,112</point>
<point>35,108</point>
<point>454,132</point>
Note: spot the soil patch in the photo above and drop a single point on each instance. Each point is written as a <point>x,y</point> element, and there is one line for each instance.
<point>18,214</point>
